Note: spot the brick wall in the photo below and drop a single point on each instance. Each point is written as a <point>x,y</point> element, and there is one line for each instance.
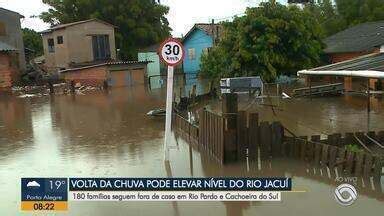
<point>7,72</point>
<point>94,76</point>
<point>338,57</point>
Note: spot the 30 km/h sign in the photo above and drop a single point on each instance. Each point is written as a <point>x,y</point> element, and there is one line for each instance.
<point>172,53</point>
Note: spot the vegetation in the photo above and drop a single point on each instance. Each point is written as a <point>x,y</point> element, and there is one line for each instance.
<point>337,15</point>
<point>140,22</point>
<point>353,148</point>
<point>273,39</point>
<point>269,40</point>
<point>32,40</point>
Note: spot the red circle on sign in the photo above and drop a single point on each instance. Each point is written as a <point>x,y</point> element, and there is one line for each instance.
<point>178,43</point>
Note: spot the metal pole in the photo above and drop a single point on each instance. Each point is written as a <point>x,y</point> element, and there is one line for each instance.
<point>168,120</point>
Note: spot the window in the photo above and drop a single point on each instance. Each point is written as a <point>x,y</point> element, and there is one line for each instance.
<point>101,48</point>
<point>191,54</point>
<point>60,40</point>
<point>2,29</point>
<point>51,45</point>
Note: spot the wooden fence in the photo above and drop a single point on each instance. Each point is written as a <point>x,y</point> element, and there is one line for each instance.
<point>236,137</point>
<point>332,152</point>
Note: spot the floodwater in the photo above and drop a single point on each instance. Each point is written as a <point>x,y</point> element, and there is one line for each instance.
<point>109,135</point>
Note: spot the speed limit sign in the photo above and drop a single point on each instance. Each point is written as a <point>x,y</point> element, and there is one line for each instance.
<point>172,52</point>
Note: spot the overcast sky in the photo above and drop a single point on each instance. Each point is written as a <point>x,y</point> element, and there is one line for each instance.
<point>182,15</point>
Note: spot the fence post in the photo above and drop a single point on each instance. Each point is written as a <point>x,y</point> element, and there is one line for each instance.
<point>230,108</point>
<point>277,138</point>
<point>242,139</point>
<point>265,140</point>
<point>253,144</point>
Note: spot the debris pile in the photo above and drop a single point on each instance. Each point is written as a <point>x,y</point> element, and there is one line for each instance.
<point>56,89</point>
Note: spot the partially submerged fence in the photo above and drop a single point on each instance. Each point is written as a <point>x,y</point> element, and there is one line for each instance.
<point>333,152</point>
<point>238,137</point>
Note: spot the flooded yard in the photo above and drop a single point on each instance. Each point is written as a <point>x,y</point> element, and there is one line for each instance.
<point>109,135</point>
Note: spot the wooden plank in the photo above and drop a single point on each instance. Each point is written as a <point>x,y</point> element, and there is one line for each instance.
<point>312,148</point>
<point>367,165</point>
<point>359,163</point>
<point>350,157</point>
<point>253,136</point>
<point>324,155</point>
<point>207,128</point>
<point>296,147</point>
<point>265,140</point>
<point>310,151</point>
<point>291,147</point>
<point>201,127</point>
<point>217,146</point>
<point>221,142</point>
<point>330,140</point>
<point>288,142</point>
<point>241,135</point>
<point>318,148</point>
<point>378,167</point>
<point>332,156</point>
<point>212,133</point>
<point>277,139</point>
<point>341,160</point>
<point>303,147</point>
<point>230,147</point>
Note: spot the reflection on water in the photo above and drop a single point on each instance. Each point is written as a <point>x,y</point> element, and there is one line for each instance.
<point>109,135</point>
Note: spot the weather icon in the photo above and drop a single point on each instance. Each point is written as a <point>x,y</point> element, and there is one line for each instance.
<point>33,184</point>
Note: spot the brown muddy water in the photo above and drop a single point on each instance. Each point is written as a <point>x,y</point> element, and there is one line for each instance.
<point>109,135</point>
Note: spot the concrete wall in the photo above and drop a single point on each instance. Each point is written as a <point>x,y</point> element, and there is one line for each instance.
<point>59,58</point>
<point>199,40</point>
<point>77,47</point>
<point>14,36</point>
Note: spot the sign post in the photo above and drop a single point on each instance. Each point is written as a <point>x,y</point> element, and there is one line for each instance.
<point>172,53</point>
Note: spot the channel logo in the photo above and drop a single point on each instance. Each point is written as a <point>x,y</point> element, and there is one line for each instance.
<point>345,194</point>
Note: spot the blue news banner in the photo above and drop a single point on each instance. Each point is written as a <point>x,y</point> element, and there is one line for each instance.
<point>44,193</point>
<point>178,189</point>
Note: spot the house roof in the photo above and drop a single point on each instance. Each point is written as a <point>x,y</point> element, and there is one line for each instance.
<point>9,11</point>
<point>373,61</point>
<point>207,28</point>
<point>362,37</point>
<point>105,64</point>
<point>61,26</point>
<point>6,47</point>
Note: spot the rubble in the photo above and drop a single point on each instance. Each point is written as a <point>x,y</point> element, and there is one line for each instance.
<point>58,89</point>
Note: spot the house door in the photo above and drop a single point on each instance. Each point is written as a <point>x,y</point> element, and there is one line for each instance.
<point>101,48</point>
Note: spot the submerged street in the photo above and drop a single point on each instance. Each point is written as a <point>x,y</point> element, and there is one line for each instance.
<point>104,135</point>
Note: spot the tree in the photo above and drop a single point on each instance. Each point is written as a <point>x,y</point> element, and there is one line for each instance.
<point>32,40</point>
<point>325,12</point>
<point>360,11</point>
<point>269,41</point>
<point>337,15</point>
<point>140,23</point>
